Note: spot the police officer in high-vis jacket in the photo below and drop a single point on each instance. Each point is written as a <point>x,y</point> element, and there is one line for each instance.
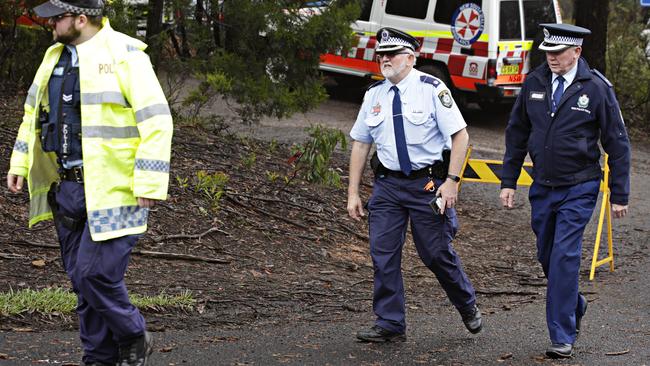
<point>412,119</point>
<point>563,110</point>
<point>94,146</point>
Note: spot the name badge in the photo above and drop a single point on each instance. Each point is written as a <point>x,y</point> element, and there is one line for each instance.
<point>58,71</point>
<point>537,96</point>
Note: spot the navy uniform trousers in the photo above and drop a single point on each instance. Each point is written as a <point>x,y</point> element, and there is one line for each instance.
<point>558,218</point>
<point>106,316</point>
<point>393,202</point>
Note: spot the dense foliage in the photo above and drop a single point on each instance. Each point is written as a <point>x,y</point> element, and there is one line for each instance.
<point>263,54</point>
<point>627,66</point>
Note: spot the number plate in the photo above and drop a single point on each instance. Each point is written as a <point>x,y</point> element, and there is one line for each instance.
<point>509,69</point>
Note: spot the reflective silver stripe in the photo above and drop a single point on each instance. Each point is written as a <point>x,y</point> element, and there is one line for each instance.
<point>117,218</point>
<point>21,146</point>
<point>104,97</point>
<point>152,111</point>
<point>152,165</point>
<point>108,132</point>
<point>132,48</point>
<point>31,95</point>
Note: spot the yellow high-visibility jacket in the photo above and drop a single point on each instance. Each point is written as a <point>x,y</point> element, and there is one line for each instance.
<point>126,133</point>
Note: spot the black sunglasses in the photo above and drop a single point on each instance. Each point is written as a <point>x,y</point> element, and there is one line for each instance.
<point>390,54</point>
<point>57,18</point>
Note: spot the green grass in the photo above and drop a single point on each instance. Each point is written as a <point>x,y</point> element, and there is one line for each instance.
<point>56,300</point>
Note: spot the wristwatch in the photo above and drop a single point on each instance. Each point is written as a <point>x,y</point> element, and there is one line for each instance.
<point>455,178</point>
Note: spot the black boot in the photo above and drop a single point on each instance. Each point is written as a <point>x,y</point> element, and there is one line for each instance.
<point>379,334</point>
<point>137,352</point>
<point>560,350</point>
<point>473,320</point>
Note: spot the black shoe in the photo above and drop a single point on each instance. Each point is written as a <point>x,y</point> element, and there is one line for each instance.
<point>579,318</point>
<point>379,334</point>
<point>473,320</point>
<point>136,353</point>
<point>96,364</point>
<point>560,350</point>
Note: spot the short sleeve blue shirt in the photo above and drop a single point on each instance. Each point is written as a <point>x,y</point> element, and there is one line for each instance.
<point>431,117</point>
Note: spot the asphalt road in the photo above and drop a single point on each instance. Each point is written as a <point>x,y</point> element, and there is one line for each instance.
<point>616,328</point>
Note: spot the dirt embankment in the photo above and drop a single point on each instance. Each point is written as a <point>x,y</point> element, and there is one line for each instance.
<point>285,250</point>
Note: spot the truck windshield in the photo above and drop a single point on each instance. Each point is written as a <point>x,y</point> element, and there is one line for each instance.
<point>535,12</point>
<point>510,21</point>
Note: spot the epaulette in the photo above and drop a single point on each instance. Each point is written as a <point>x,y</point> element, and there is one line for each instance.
<point>602,77</point>
<point>376,83</point>
<point>430,80</point>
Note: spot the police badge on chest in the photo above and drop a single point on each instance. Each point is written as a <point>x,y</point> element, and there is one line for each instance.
<point>582,104</point>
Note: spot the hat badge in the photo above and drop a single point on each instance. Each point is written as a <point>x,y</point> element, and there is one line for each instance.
<point>546,33</point>
<point>384,35</point>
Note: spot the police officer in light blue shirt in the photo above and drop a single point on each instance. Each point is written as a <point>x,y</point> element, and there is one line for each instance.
<point>412,119</point>
<point>563,111</point>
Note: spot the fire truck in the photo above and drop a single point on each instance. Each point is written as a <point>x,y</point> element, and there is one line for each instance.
<point>479,48</point>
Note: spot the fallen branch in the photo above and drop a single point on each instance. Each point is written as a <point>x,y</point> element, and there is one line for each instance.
<point>164,255</point>
<point>269,214</point>
<point>506,292</point>
<point>619,353</point>
<point>258,198</point>
<point>12,256</point>
<point>359,235</point>
<point>177,256</point>
<point>189,236</point>
<point>34,244</point>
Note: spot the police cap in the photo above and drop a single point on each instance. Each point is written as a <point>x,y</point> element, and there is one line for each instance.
<point>53,8</point>
<point>391,40</point>
<point>558,37</point>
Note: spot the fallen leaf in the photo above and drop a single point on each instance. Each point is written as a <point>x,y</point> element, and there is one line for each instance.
<point>256,274</point>
<point>506,356</point>
<point>38,263</point>
<point>165,349</point>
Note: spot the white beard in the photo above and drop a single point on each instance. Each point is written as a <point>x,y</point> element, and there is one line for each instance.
<point>392,71</point>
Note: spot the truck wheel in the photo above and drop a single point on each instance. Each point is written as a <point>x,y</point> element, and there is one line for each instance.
<point>440,73</point>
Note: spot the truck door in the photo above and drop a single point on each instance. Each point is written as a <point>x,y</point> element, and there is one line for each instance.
<point>518,26</point>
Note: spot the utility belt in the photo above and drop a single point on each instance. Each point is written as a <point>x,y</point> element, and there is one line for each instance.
<point>68,222</point>
<point>74,174</point>
<point>437,170</point>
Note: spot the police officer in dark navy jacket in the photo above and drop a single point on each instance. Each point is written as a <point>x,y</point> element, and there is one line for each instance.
<point>411,117</point>
<point>563,110</point>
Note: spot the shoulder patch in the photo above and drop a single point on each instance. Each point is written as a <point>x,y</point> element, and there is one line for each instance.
<point>430,80</point>
<point>602,77</point>
<point>376,83</point>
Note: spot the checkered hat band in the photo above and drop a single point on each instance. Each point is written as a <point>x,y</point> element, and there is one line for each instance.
<point>76,9</point>
<point>394,41</point>
<point>572,41</point>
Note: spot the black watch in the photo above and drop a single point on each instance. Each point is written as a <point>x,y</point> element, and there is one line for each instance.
<point>455,178</point>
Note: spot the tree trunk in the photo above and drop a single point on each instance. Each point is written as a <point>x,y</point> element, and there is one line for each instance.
<point>154,29</point>
<point>592,14</point>
<point>199,11</point>
<point>216,15</point>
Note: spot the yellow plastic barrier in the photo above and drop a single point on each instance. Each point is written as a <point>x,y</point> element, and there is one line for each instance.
<point>489,171</point>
